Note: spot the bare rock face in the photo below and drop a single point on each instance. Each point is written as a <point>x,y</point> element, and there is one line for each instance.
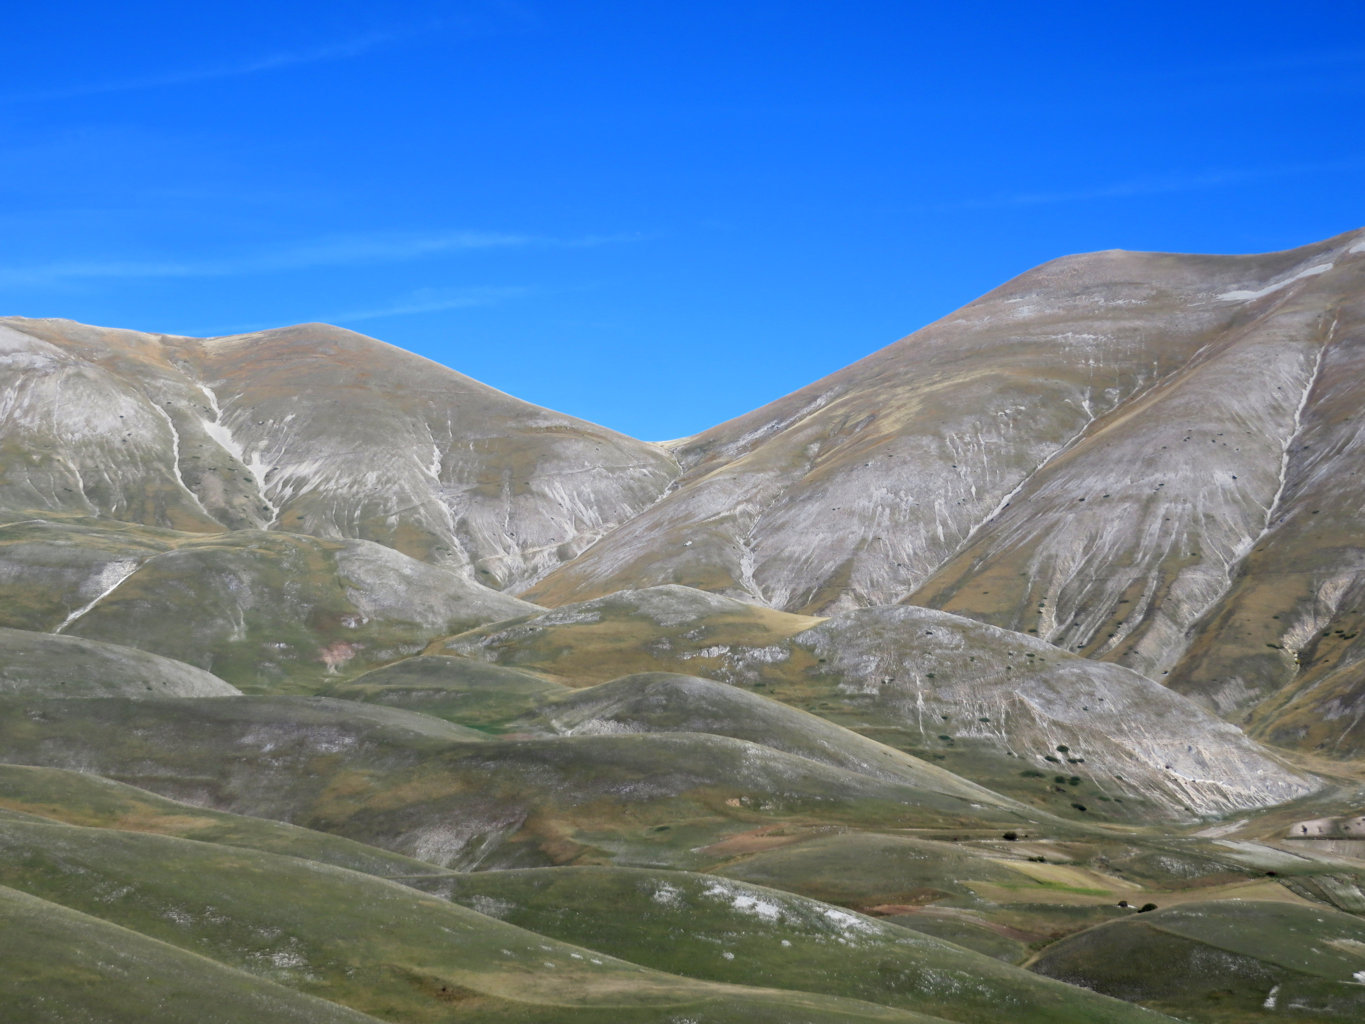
<point>310,429</point>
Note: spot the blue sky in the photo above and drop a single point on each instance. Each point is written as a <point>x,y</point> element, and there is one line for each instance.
<point>652,215</point>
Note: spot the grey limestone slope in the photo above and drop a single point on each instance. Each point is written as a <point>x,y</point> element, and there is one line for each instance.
<point>1151,459</point>
<point>311,429</point>
<point>1212,529</point>
<point>856,489</point>
<point>1148,458</point>
<point>996,692</point>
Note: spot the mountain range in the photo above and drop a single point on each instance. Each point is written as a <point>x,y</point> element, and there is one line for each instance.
<point>892,699</point>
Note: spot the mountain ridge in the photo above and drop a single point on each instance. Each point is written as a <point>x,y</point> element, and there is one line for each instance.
<point>1032,460</point>
<point>334,681</point>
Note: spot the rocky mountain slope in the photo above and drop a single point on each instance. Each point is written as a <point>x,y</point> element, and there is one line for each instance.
<point>309,429</point>
<point>1146,458</point>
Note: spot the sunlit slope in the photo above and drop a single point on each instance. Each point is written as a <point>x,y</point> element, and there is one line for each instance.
<point>861,487</point>
<point>1225,961</point>
<point>1144,458</point>
<point>1149,459</point>
<point>375,946</point>
<point>310,429</point>
<point>1211,529</point>
<point>999,707</point>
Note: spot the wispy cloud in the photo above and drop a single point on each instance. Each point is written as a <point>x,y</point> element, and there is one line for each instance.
<point>432,300</point>
<point>336,251</point>
<point>1149,186</point>
<point>276,61</point>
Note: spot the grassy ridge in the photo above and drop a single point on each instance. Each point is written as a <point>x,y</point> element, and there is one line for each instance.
<point>421,787</point>
<point>721,930</point>
<point>1225,961</point>
<point>63,966</point>
<point>380,948</point>
<point>472,693</point>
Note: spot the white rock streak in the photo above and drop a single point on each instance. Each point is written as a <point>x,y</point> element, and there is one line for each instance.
<point>223,437</point>
<point>175,458</point>
<point>1028,478</point>
<point>1247,296</point>
<point>109,579</point>
<point>1295,430</point>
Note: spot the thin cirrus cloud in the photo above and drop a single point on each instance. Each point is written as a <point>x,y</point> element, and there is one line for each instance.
<point>341,50</point>
<point>330,252</point>
<point>433,300</point>
<point>422,300</point>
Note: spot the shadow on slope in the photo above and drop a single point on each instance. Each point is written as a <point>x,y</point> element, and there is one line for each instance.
<point>471,693</point>
<point>666,702</point>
